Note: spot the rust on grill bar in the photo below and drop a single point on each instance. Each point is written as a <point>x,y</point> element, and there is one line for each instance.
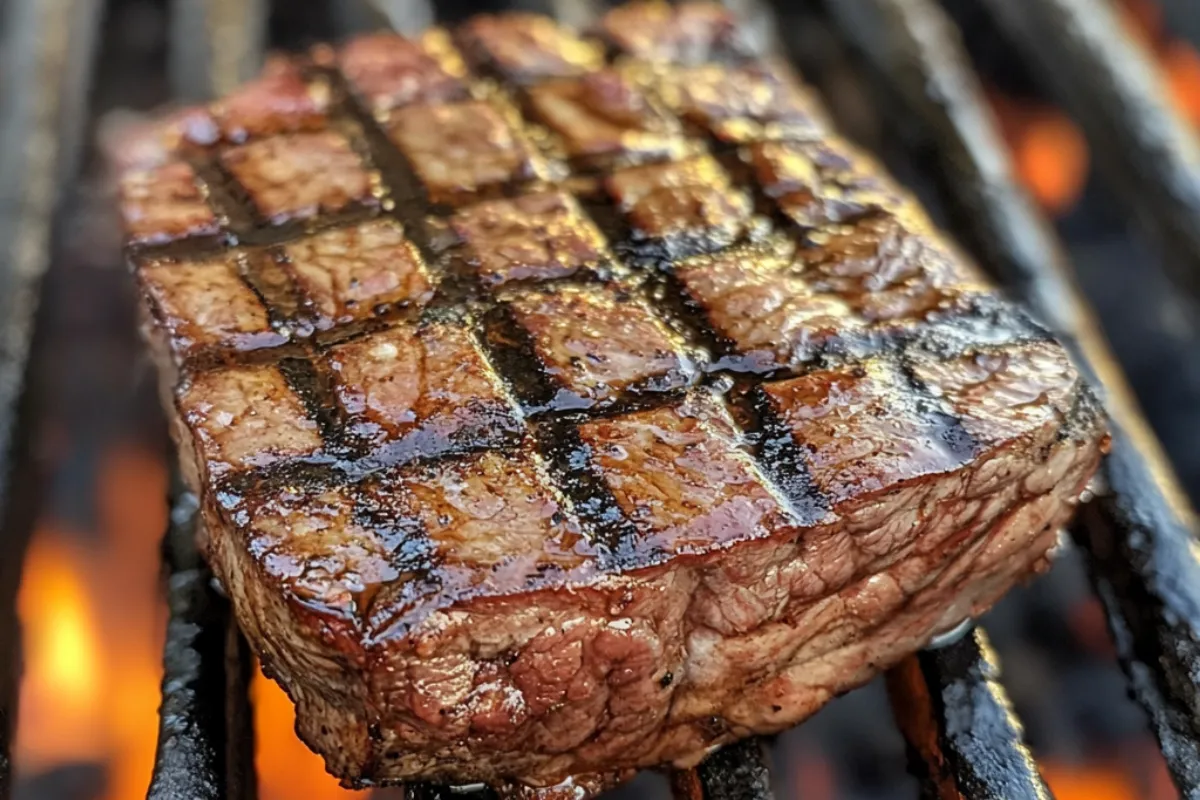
<point>205,737</point>
<point>953,712</point>
<point>1140,535</point>
<point>47,50</point>
<point>1110,83</point>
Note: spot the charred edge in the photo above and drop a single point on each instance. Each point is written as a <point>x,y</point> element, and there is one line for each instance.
<point>1085,416</point>
<point>740,771</point>
<point>580,481</point>
<point>187,248</point>
<point>988,321</point>
<point>777,454</point>
<point>642,253</point>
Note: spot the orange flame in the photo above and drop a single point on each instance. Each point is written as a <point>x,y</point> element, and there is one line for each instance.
<point>62,694</point>
<point>1088,782</point>
<point>286,767</point>
<point>1050,153</point>
<point>93,622</point>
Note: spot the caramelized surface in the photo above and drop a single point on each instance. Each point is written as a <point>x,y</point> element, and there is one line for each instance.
<point>388,71</point>
<point>206,305</point>
<point>532,237</point>
<point>690,199</point>
<point>744,103</point>
<point>165,203</point>
<point>605,114</point>
<point>460,148</point>
<point>568,402</point>
<point>347,274</point>
<point>599,343</point>
<point>528,47</point>
<point>419,388</point>
<point>301,175</point>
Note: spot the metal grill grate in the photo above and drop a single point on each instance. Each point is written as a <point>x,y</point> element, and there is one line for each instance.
<point>1138,534</point>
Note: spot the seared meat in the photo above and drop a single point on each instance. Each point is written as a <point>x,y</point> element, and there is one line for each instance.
<point>588,424</point>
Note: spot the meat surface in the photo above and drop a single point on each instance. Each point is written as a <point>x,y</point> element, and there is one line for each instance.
<point>550,433</point>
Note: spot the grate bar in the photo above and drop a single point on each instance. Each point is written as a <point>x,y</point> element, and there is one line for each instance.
<point>740,771</point>
<point>47,53</point>
<point>962,735</point>
<point>1111,84</point>
<point>215,45</point>
<point>1140,537</point>
<point>205,735</point>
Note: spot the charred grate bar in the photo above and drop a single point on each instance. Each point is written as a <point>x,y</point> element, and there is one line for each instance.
<point>953,712</point>
<point>206,738</point>
<point>1108,81</point>
<point>47,50</point>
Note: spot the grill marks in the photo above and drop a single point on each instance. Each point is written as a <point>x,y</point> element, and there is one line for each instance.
<point>855,339</point>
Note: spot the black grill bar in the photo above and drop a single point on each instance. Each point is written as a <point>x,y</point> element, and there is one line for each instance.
<point>1140,535</point>
<point>405,16</point>
<point>1109,83</point>
<point>740,771</point>
<point>47,49</point>
<point>205,734</point>
<point>963,739</point>
<point>214,45</point>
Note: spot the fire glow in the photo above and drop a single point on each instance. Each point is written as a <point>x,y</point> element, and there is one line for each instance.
<point>93,620</point>
<point>1049,151</point>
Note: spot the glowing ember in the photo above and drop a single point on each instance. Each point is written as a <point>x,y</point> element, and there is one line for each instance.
<point>62,712</point>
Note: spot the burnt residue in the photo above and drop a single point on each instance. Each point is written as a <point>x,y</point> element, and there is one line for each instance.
<point>1141,550</point>
<point>740,771</point>
<point>313,387</point>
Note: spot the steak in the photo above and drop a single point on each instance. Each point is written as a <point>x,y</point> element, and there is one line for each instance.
<point>561,404</point>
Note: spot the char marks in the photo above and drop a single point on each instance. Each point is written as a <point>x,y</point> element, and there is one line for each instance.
<point>516,261</point>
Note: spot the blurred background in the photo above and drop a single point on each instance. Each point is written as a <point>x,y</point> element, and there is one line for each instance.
<point>90,598</point>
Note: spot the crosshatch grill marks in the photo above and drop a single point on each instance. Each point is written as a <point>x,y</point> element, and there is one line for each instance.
<point>680,475</point>
<point>863,430</point>
<point>350,274</point>
<point>543,270</point>
<point>533,237</point>
<point>419,389</point>
<point>598,344</point>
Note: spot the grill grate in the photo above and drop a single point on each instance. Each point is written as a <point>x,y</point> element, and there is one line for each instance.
<point>48,47</point>
<point>1138,535</point>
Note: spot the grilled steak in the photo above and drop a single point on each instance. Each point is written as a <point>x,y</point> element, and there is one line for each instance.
<point>565,404</point>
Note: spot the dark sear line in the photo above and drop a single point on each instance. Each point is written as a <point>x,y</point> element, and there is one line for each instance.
<point>577,477</point>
